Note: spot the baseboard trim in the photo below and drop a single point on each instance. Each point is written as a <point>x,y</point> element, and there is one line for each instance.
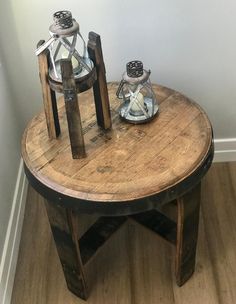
<point>225,150</point>
<point>12,241</point>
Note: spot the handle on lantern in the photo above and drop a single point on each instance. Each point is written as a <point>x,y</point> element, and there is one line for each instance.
<point>120,88</point>
<point>85,52</point>
<point>46,45</point>
<point>65,42</point>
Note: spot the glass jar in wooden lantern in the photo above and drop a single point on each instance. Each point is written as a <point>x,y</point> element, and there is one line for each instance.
<point>66,42</point>
<point>67,65</point>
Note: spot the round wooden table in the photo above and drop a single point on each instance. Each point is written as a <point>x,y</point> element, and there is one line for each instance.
<point>129,171</point>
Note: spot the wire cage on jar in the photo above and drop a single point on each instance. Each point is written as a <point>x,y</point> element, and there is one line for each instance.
<point>135,89</point>
<point>66,42</point>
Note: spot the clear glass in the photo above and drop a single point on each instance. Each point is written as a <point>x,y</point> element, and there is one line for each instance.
<point>139,103</point>
<point>68,47</point>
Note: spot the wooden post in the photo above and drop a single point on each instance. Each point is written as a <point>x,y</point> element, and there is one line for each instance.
<point>63,225</point>
<point>49,96</point>
<point>100,86</point>
<point>187,233</point>
<point>72,110</point>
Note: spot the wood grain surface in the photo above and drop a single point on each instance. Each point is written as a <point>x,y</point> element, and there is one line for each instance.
<point>135,266</point>
<point>100,92</point>
<point>72,110</point>
<point>130,161</point>
<point>64,229</point>
<point>188,207</point>
<point>49,96</point>
<point>83,83</point>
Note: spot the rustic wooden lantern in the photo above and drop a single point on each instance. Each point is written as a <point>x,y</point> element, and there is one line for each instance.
<point>64,69</point>
<point>135,89</point>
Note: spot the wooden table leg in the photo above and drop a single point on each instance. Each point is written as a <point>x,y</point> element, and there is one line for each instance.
<point>187,234</point>
<point>63,225</point>
<point>72,110</point>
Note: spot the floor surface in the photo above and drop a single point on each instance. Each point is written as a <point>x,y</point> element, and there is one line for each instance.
<point>136,266</point>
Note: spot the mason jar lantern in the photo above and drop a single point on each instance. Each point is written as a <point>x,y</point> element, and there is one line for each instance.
<point>66,42</point>
<point>139,101</point>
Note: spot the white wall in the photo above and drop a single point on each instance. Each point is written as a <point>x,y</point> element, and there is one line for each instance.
<point>9,152</point>
<point>13,186</point>
<point>189,46</point>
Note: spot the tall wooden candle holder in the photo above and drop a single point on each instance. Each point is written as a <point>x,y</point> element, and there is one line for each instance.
<point>61,76</point>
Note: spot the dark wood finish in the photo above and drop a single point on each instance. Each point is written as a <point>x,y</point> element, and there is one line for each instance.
<point>187,233</point>
<point>111,209</point>
<point>55,111</point>
<point>98,234</point>
<point>72,110</point>
<point>49,97</point>
<point>124,166</point>
<point>63,225</point>
<point>158,223</point>
<point>100,86</point>
<point>82,83</point>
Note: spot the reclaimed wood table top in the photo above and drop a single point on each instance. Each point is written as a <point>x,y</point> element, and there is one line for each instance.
<point>127,163</point>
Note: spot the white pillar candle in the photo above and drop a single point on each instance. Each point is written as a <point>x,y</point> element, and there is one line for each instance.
<point>74,62</point>
<point>139,99</point>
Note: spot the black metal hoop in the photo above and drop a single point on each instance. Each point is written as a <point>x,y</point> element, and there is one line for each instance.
<point>134,68</point>
<point>63,19</point>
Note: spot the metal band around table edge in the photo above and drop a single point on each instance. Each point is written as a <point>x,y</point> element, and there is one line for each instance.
<point>123,207</point>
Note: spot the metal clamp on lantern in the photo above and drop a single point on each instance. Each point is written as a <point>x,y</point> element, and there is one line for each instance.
<point>139,101</point>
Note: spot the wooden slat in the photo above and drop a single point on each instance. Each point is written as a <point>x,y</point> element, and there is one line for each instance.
<point>49,96</point>
<point>97,235</point>
<point>187,234</point>
<point>158,223</point>
<point>64,230</point>
<point>72,110</point>
<point>100,86</point>
<point>201,287</point>
<point>55,111</point>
